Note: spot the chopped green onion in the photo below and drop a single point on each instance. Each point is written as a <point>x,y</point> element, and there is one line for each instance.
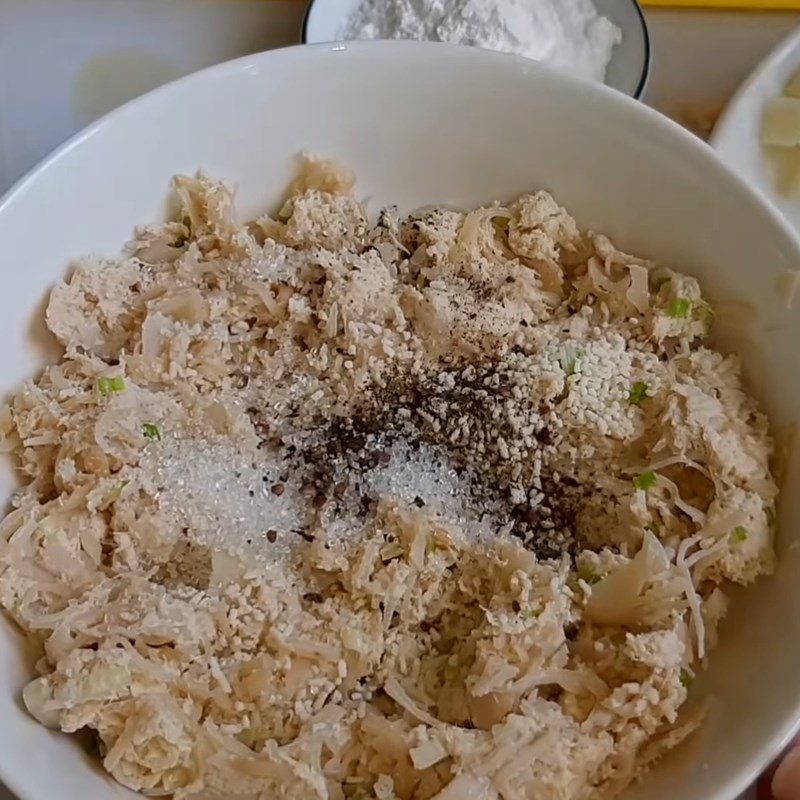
<point>652,527</point>
<point>686,678</point>
<point>501,223</point>
<point>772,522</point>
<point>434,547</point>
<point>739,534</point>
<point>151,431</point>
<point>680,308</point>
<point>568,360</point>
<point>108,385</point>
<point>113,495</point>
<point>391,550</point>
<point>586,573</point>
<point>646,480</point>
<point>657,283</point>
<point>703,313</point>
<point>529,613</point>
<point>638,393</point>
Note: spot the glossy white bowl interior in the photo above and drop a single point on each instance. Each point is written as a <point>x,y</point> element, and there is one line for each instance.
<point>458,126</point>
<point>630,61</point>
<point>737,134</point>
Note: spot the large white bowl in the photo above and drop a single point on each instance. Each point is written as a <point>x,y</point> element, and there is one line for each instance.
<point>424,123</point>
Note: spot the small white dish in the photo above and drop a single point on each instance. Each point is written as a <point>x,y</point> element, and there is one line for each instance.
<point>737,135</point>
<point>464,126</point>
<point>627,72</point>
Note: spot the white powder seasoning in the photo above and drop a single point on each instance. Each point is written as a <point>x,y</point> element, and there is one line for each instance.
<point>570,35</point>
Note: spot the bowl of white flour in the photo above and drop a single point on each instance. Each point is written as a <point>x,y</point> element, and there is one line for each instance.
<point>596,40</point>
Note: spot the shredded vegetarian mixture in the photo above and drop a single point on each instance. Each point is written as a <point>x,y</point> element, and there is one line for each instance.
<point>437,507</point>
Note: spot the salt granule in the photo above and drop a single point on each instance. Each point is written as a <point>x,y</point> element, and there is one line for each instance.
<point>230,501</point>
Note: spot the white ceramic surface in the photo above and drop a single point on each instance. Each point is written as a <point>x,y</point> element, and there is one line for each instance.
<point>463,126</point>
<point>627,72</point>
<point>737,134</point>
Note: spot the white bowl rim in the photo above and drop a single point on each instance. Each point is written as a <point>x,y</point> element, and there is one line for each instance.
<point>647,61</point>
<point>775,57</point>
<point>748,770</point>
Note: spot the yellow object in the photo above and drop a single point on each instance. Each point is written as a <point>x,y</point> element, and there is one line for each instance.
<point>754,5</point>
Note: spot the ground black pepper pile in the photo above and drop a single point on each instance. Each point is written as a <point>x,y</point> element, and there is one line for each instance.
<point>482,420</point>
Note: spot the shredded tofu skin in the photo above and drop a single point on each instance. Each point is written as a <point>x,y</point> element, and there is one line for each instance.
<point>441,506</point>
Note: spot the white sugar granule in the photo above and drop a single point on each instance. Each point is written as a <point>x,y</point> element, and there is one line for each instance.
<point>423,475</point>
<point>228,500</point>
<point>569,35</point>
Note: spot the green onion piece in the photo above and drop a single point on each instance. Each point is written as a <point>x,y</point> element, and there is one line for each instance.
<point>568,360</point>
<point>529,613</point>
<point>739,534</point>
<point>703,313</point>
<point>657,283</point>
<point>501,223</point>
<point>113,495</point>
<point>638,393</point>
<point>680,308</point>
<point>151,431</point>
<point>686,678</point>
<point>108,385</point>
<point>652,527</point>
<point>434,547</point>
<point>391,550</point>
<point>646,480</point>
<point>586,573</point>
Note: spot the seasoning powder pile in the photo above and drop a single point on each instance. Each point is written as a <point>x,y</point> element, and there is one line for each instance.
<point>569,35</point>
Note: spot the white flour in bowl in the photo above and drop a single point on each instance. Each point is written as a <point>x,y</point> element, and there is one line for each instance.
<point>567,34</point>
